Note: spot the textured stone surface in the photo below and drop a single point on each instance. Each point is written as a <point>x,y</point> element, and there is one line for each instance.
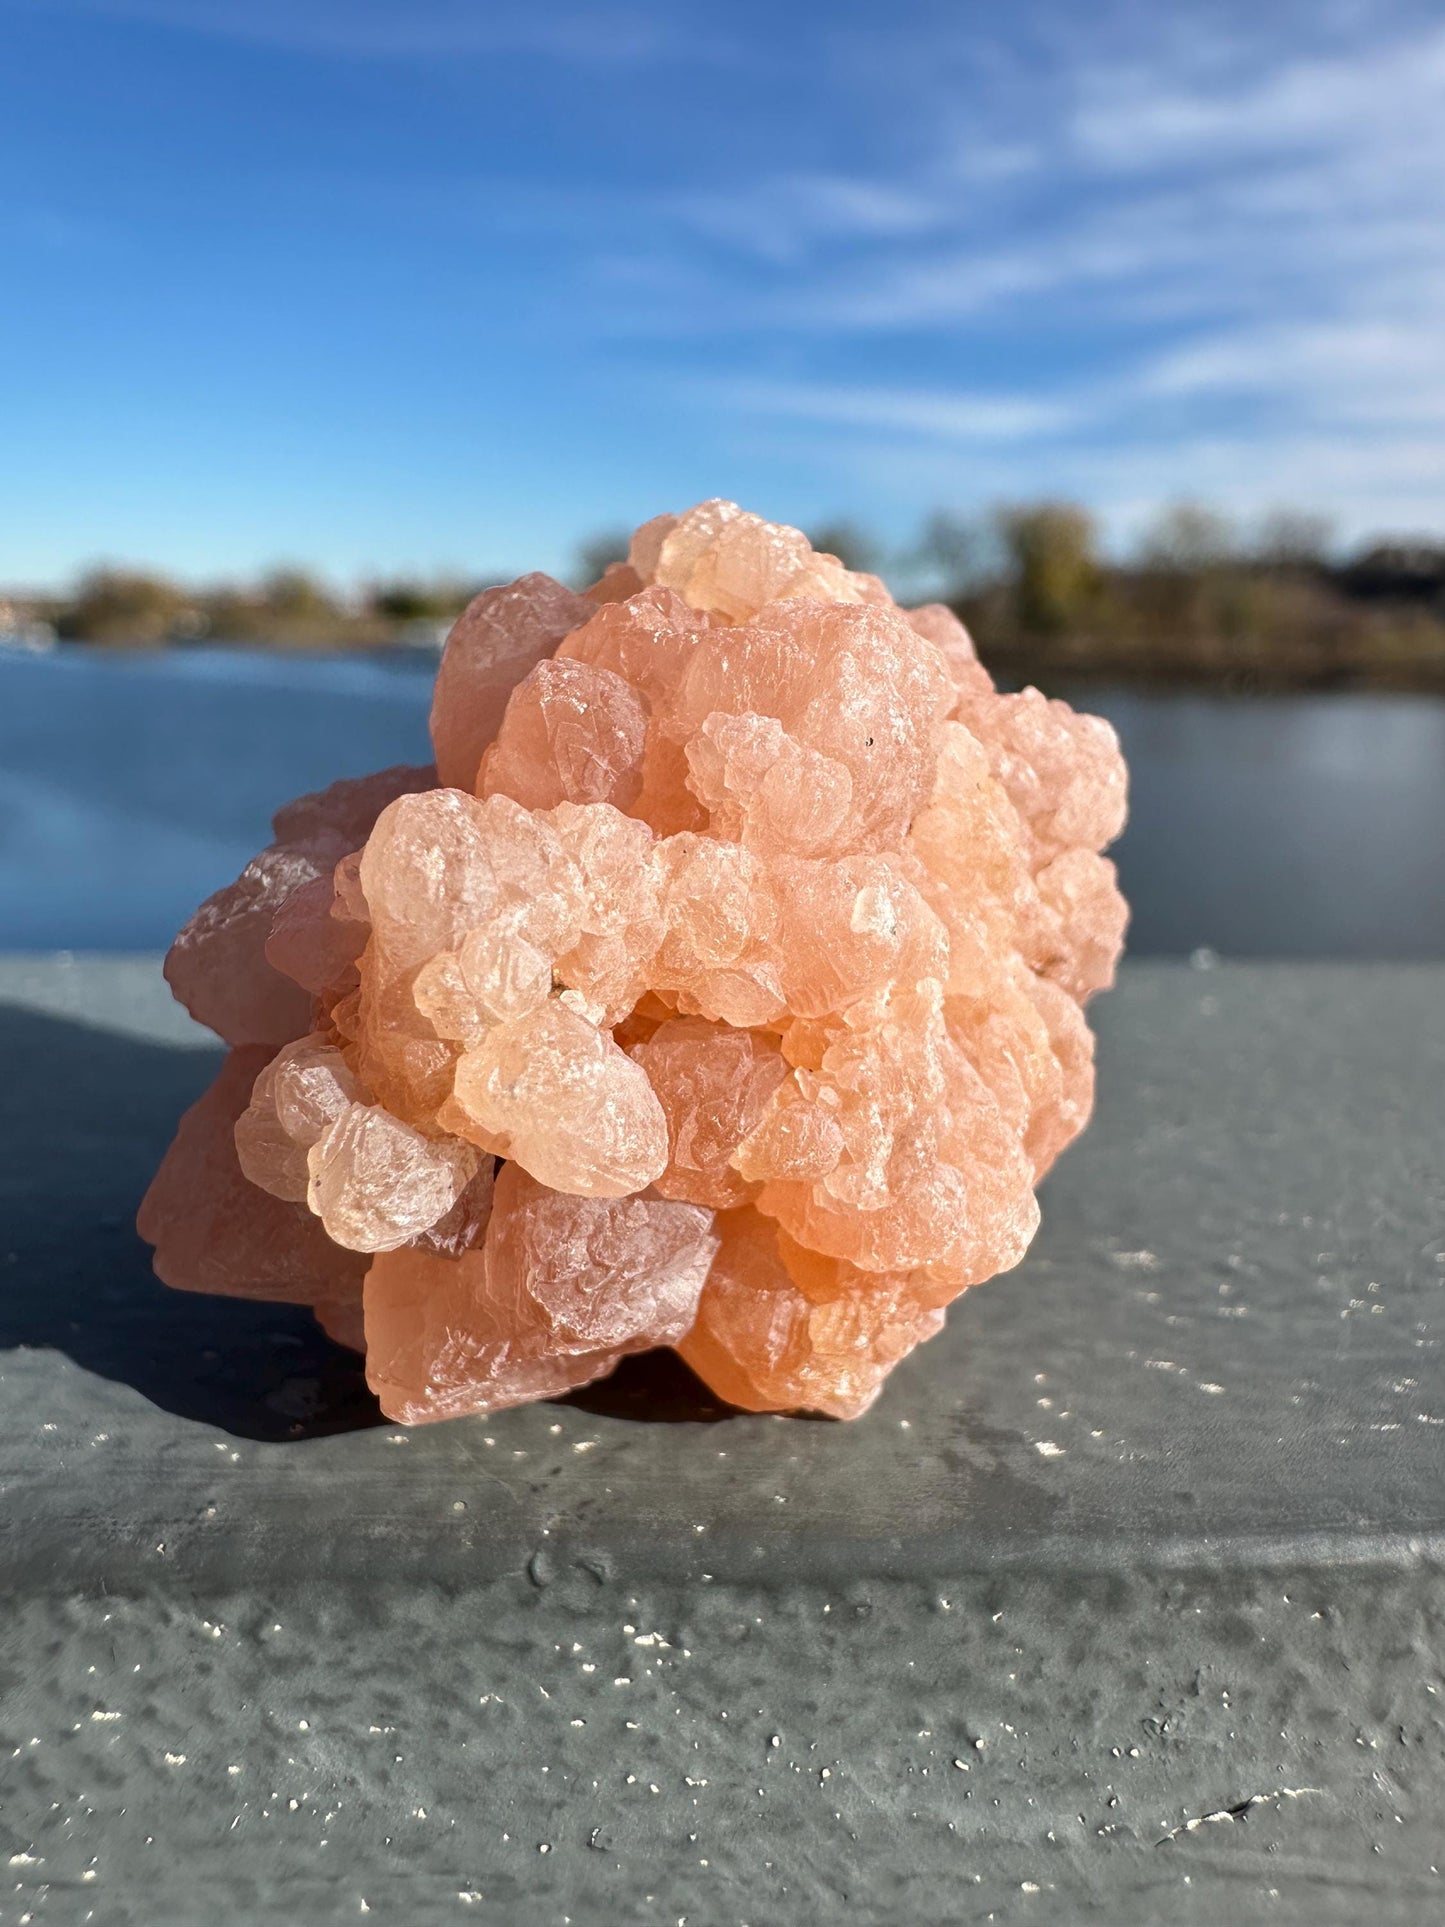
<point>736,880</point>
<point>1166,1581</point>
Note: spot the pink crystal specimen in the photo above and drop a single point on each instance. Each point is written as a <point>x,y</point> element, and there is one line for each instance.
<point>721,988</point>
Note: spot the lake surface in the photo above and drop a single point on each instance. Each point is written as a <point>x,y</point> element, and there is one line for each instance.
<point>131,786</point>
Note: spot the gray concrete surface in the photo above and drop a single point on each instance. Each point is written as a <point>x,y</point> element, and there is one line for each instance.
<point>1127,1603</point>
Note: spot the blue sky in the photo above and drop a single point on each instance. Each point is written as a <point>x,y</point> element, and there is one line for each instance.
<point>415,284</point>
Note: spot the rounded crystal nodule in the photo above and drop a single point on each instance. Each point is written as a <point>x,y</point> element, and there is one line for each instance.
<point>721,987</point>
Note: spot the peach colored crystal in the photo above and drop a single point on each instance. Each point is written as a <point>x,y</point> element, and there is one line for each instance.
<point>721,988</point>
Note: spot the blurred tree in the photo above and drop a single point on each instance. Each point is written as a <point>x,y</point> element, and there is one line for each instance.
<point>1399,570</point>
<point>406,601</point>
<point>597,554</point>
<point>1187,538</point>
<point>1195,603</point>
<point>234,614</point>
<point>122,606</point>
<point>1053,563</point>
<point>1293,539</point>
<point>291,595</point>
<point>854,548</point>
<point>956,554</point>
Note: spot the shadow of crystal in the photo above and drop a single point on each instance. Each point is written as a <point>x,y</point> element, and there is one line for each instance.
<point>85,1118</point>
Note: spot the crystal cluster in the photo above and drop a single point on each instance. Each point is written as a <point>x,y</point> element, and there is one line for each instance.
<point>720,988</point>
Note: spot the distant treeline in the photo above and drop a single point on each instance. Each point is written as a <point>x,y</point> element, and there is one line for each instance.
<point>287,609</point>
<point>1197,600</point>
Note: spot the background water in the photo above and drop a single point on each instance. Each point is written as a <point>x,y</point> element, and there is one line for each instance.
<point>131,786</point>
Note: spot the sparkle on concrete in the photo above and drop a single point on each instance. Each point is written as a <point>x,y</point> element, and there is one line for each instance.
<point>1125,1602</point>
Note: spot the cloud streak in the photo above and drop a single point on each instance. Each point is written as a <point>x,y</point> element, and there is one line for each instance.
<point>1224,260</point>
<point>944,416</point>
<point>837,260</point>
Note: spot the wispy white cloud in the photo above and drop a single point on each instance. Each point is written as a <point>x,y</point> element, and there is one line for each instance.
<point>1117,251</point>
<point>779,219</point>
<point>1228,255</point>
<point>1373,368</point>
<point>1131,118</point>
<point>1364,483</point>
<point>1318,171</point>
<point>934,415</point>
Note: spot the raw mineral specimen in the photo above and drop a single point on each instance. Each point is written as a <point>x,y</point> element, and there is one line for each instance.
<point>721,988</point>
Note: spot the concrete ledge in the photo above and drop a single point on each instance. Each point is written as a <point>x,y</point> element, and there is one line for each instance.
<point>1153,1534</point>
